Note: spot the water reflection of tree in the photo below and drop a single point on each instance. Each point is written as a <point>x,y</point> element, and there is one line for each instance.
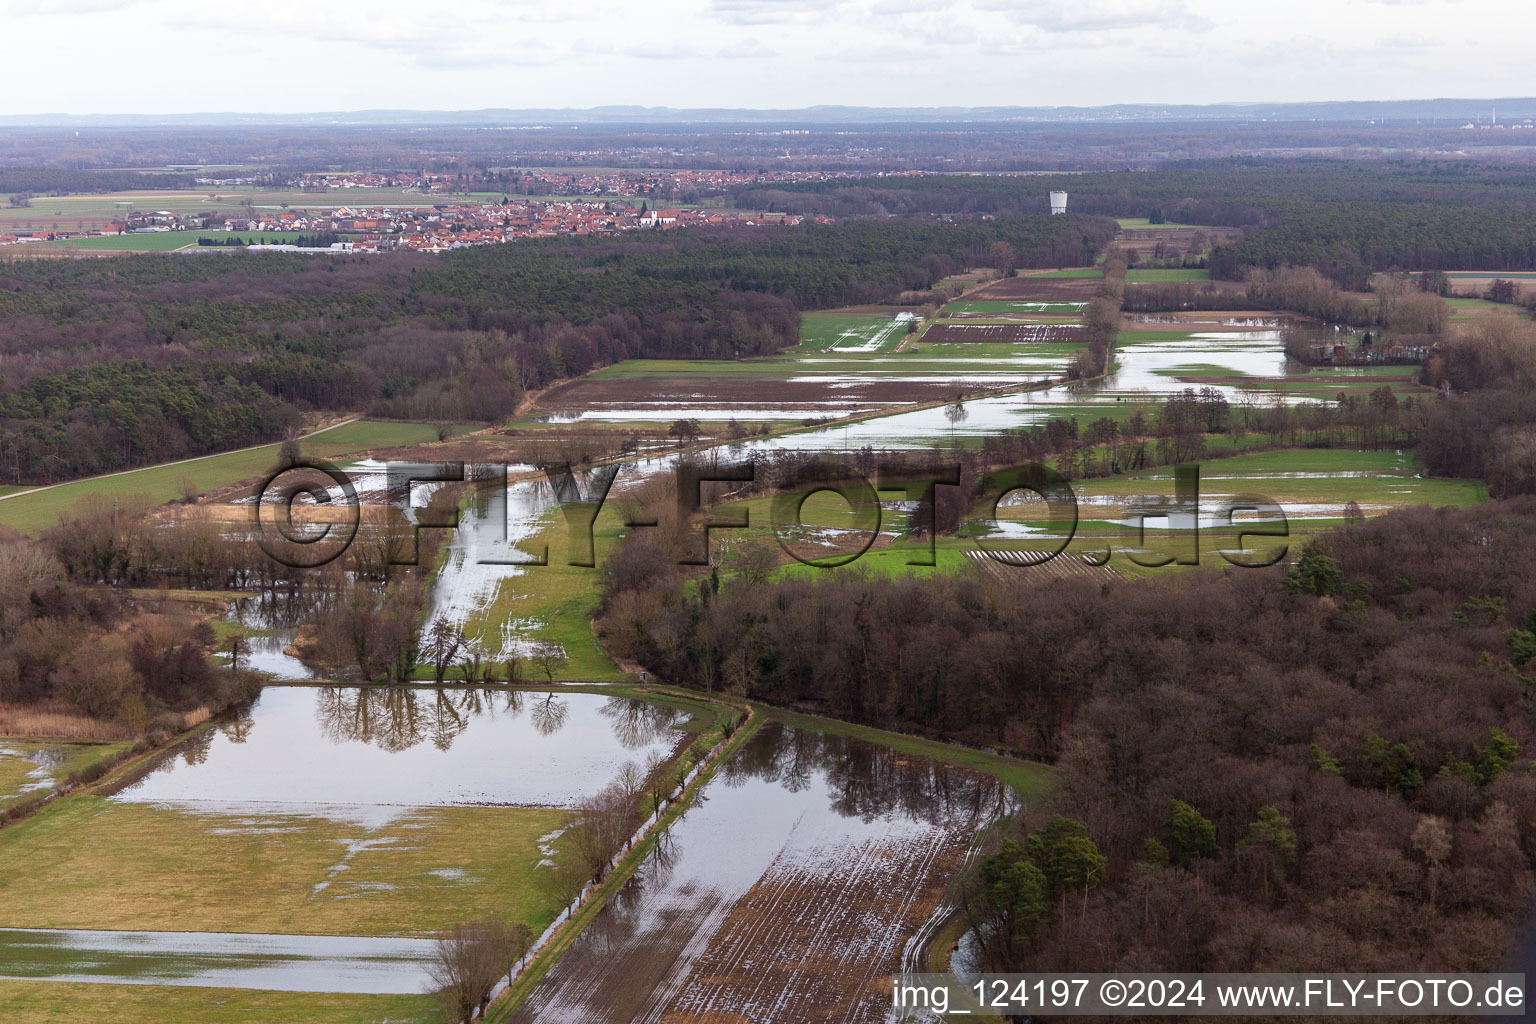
<point>548,714</point>
<point>638,723</point>
<point>396,718</point>
<point>274,610</point>
<point>662,861</point>
<point>866,780</point>
<point>626,912</point>
<point>389,717</point>
<point>196,750</point>
<point>447,721</point>
<point>238,728</point>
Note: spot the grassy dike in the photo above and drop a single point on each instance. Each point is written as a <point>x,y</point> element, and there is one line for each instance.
<point>571,930</point>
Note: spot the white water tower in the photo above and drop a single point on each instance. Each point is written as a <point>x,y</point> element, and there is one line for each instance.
<point>1058,203</point>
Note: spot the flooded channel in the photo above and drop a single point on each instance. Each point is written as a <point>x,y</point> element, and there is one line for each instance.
<point>491,537</point>
<point>787,893</point>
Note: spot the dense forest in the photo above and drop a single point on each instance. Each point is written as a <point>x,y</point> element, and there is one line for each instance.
<point>1319,769</point>
<point>118,363</point>
<point>1345,218</point>
<point>56,181</point>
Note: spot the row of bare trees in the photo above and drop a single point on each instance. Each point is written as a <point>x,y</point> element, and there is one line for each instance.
<point>470,959</point>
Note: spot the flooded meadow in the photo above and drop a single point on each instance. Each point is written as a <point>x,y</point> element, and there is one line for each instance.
<point>789,891</point>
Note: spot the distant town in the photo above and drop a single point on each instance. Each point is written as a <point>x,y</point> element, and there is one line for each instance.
<point>455,226</point>
<point>433,212</point>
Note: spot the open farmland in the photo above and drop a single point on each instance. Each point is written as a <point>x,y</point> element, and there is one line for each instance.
<point>270,871</point>
<point>968,307</point>
<point>1077,288</point>
<point>785,390</point>
<point>50,1002</point>
<point>338,812</point>
<point>1170,241</point>
<point>787,894</point>
<point>100,210</point>
<point>1007,333</point>
<point>853,331</point>
<point>1313,488</point>
<point>36,509</point>
<point>1134,276</point>
<point>154,241</point>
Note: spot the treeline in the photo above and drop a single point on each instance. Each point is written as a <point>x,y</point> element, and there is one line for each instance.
<point>109,415</point>
<point>1346,219</point>
<point>55,181</point>
<point>1101,316</point>
<point>1485,426</point>
<point>1244,192</point>
<point>244,343</point>
<point>1350,240</point>
<point>1397,305</point>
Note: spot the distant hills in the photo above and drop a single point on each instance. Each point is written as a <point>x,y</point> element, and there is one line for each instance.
<point>1344,111</point>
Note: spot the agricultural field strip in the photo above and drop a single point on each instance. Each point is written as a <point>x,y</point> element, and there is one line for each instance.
<point>693,961</point>
<point>35,509</point>
<point>264,828</point>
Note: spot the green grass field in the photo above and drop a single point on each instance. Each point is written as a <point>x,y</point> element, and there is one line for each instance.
<point>1474,309</point>
<point>165,241</point>
<point>60,1002</point>
<point>1312,485</point>
<point>19,773</point>
<point>1071,272</point>
<point>36,511</point>
<point>255,872</point>
<point>1133,276</point>
<point>820,332</point>
<point>1303,476</point>
<point>556,601</point>
<point>1134,223</point>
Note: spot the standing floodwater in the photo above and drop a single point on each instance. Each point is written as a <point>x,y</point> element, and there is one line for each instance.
<point>410,746</point>
<point>787,893</point>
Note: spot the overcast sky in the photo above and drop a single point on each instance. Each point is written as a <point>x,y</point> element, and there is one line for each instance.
<point>176,56</point>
